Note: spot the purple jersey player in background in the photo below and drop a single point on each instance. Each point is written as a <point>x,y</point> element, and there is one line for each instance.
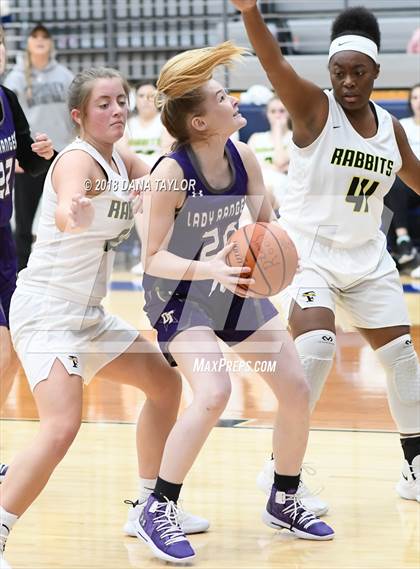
<point>15,142</point>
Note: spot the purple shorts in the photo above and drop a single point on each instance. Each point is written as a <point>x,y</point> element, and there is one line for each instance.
<point>8,270</point>
<point>232,318</point>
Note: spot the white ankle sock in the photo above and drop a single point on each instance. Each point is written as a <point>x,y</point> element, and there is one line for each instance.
<point>146,487</point>
<point>7,521</point>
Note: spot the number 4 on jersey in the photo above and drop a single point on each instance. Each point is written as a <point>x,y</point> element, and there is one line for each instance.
<point>359,191</point>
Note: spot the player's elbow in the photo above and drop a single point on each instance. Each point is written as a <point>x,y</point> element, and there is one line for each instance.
<point>411,178</point>
<point>61,218</point>
<point>151,262</point>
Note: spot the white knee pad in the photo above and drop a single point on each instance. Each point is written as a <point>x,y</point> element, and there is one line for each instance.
<point>401,364</point>
<point>316,351</point>
<point>403,381</point>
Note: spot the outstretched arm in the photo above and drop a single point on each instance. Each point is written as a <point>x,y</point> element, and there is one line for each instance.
<point>306,102</point>
<point>73,172</point>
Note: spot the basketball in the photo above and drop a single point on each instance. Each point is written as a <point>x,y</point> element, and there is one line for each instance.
<point>269,252</point>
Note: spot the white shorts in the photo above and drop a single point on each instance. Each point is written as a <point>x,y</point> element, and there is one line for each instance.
<point>360,299</point>
<point>83,338</point>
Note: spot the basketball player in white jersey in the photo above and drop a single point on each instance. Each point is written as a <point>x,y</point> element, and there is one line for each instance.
<point>59,328</point>
<point>345,153</point>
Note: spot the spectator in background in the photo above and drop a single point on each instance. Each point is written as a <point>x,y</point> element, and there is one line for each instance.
<point>41,85</point>
<point>401,198</point>
<point>413,45</point>
<point>146,136</point>
<point>272,150</point>
<point>145,133</point>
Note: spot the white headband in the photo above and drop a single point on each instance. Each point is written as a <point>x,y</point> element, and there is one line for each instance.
<point>354,43</point>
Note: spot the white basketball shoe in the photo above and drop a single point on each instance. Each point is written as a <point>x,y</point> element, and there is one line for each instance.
<point>4,534</point>
<point>3,470</point>
<point>3,562</point>
<point>188,522</point>
<point>309,500</point>
<point>408,486</point>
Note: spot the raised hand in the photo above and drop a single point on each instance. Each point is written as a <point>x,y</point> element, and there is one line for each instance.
<point>43,146</point>
<point>136,199</point>
<point>244,5</point>
<point>81,212</point>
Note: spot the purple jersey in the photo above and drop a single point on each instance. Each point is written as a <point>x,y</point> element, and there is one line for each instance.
<point>202,228</point>
<point>205,221</point>
<point>7,159</point>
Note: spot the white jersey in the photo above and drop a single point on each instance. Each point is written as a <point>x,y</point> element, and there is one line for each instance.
<point>412,130</point>
<point>77,266</point>
<point>337,184</point>
<point>145,141</point>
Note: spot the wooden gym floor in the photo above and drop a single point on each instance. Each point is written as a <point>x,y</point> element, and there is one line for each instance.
<point>77,521</point>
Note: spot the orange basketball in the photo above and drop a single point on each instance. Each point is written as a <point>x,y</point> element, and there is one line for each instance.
<point>268,250</point>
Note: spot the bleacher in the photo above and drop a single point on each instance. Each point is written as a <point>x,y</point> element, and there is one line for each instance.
<point>114,32</point>
<point>309,22</point>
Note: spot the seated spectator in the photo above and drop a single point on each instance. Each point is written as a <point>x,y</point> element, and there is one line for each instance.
<point>401,199</point>
<point>272,150</point>
<point>145,133</point>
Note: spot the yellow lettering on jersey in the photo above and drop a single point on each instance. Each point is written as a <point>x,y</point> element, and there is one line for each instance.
<point>358,159</point>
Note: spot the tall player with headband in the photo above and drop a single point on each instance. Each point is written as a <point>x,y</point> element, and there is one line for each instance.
<point>35,157</point>
<point>192,300</point>
<point>59,328</point>
<point>346,151</point>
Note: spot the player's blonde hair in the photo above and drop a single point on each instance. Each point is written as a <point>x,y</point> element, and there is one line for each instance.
<point>180,81</point>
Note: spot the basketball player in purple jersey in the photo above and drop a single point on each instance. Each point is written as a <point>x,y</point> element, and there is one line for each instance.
<point>192,297</point>
<point>35,157</point>
<point>345,154</point>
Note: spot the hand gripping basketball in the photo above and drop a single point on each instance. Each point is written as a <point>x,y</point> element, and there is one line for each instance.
<point>271,254</point>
